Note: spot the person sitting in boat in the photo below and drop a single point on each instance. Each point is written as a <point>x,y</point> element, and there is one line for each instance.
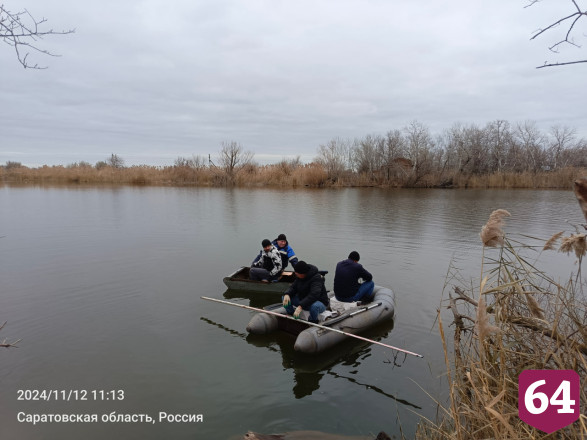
<point>346,280</point>
<point>287,253</point>
<point>267,266</point>
<point>307,292</point>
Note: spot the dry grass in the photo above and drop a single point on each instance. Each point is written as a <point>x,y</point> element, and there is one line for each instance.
<point>544,180</point>
<point>521,319</point>
<point>287,173</point>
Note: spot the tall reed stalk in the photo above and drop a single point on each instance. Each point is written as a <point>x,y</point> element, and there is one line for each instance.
<point>520,318</point>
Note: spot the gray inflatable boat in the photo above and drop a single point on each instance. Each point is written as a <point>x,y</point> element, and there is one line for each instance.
<point>311,339</point>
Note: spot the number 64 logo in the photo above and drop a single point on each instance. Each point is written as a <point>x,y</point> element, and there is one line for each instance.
<point>549,399</point>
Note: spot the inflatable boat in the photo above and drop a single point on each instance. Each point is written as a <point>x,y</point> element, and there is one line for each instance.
<point>351,318</point>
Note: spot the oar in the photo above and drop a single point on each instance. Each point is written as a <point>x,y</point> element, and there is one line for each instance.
<point>279,315</point>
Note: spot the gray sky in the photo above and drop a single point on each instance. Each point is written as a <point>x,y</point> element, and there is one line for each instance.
<point>151,80</point>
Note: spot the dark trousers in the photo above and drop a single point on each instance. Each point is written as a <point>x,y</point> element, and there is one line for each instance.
<point>259,274</point>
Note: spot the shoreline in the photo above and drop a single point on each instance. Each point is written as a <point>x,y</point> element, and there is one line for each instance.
<point>274,176</point>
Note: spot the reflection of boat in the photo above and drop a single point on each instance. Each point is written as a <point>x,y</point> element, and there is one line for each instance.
<point>257,299</point>
<point>309,370</point>
<point>312,339</point>
<point>239,280</point>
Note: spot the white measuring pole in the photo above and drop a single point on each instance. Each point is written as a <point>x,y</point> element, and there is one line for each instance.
<point>280,315</point>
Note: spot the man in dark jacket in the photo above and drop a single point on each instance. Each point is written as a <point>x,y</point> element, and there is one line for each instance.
<point>307,292</point>
<point>346,280</point>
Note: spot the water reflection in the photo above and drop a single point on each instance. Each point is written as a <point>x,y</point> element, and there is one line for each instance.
<point>310,369</point>
<point>256,299</point>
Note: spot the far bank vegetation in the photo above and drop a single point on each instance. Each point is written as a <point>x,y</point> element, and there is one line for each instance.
<point>498,155</point>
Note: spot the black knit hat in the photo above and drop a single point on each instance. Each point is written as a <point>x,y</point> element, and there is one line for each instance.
<point>302,267</point>
<point>354,255</point>
<point>265,243</point>
<point>281,237</point>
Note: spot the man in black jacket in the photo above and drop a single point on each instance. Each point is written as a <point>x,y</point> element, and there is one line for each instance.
<point>346,280</point>
<point>307,292</point>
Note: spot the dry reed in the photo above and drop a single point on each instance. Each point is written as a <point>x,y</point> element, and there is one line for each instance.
<point>492,233</point>
<point>522,320</point>
<point>287,173</point>
<point>549,246</point>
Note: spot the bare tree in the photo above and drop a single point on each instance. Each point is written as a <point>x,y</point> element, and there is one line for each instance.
<point>563,138</point>
<point>335,157</point>
<point>568,22</point>
<point>419,145</point>
<point>22,31</point>
<point>115,161</point>
<point>367,154</point>
<point>499,140</point>
<point>195,162</point>
<point>468,148</point>
<point>532,142</point>
<point>233,159</point>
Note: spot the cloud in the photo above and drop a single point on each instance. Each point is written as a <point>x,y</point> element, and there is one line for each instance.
<point>156,80</point>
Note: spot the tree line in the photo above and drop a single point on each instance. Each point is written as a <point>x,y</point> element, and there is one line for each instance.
<point>412,155</point>
<point>498,154</point>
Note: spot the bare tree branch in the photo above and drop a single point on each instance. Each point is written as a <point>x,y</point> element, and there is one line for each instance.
<point>560,64</point>
<point>5,342</point>
<point>22,31</point>
<point>568,38</point>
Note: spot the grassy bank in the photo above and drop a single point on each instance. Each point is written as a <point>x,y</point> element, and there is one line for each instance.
<point>282,174</point>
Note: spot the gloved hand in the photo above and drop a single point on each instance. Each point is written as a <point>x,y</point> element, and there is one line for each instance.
<point>286,300</point>
<point>297,312</point>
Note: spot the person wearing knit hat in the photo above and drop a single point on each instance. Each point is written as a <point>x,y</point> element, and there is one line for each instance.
<point>346,280</point>
<point>287,253</point>
<point>267,266</point>
<point>307,292</point>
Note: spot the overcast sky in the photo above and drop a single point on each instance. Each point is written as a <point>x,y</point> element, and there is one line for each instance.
<point>153,80</point>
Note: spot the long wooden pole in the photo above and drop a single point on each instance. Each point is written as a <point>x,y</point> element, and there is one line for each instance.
<point>280,315</point>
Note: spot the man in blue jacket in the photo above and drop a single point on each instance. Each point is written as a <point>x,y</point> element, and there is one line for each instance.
<point>346,280</point>
<point>285,250</point>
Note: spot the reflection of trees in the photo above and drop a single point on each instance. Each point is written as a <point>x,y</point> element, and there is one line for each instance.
<point>231,209</point>
<point>309,370</point>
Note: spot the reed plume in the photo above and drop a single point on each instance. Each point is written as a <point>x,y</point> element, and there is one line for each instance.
<point>492,234</point>
<point>549,245</point>
<point>484,328</point>
<point>534,307</point>
<point>576,243</point>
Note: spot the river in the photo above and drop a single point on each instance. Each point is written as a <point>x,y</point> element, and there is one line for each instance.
<point>104,287</point>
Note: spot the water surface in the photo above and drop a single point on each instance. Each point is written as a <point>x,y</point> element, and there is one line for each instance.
<point>104,284</point>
